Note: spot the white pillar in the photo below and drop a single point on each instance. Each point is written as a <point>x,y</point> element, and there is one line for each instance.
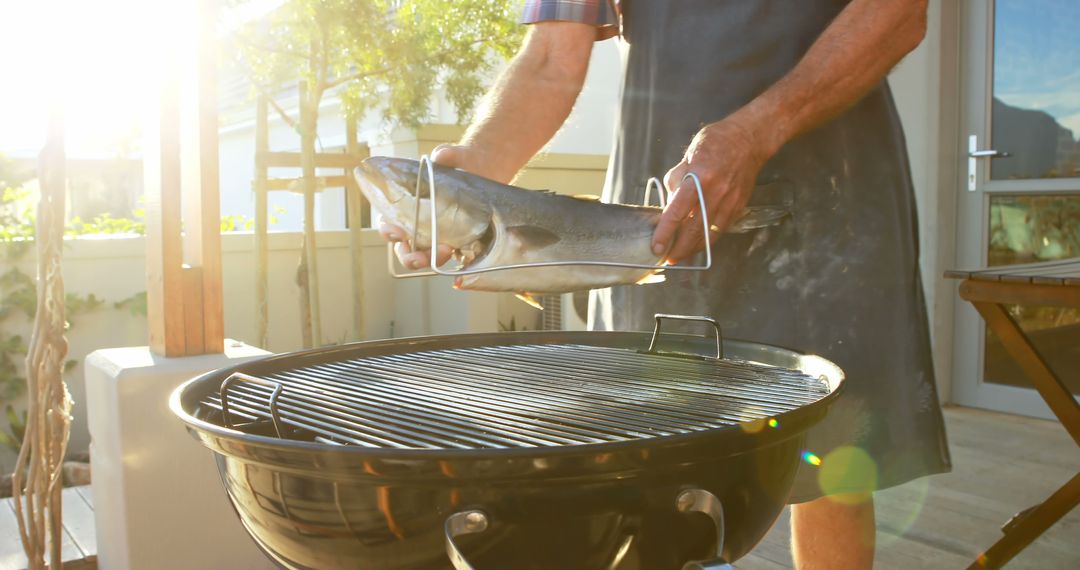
<point>158,500</point>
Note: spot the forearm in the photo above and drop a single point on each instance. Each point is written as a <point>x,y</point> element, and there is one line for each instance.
<point>531,99</point>
<point>850,57</point>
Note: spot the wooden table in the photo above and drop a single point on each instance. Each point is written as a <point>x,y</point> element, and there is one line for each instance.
<point>1054,283</point>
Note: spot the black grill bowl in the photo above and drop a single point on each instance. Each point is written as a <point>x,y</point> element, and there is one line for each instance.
<point>319,505</point>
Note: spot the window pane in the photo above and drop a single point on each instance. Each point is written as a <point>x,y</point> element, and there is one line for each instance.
<point>1025,229</point>
<point>1035,114</point>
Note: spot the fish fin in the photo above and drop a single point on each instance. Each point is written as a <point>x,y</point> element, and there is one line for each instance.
<point>755,217</point>
<point>586,197</point>
<point>533,237</point>
<point>529,300</point>
<point>652,278</point>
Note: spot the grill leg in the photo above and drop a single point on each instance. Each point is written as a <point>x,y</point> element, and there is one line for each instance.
<point>702,501</point>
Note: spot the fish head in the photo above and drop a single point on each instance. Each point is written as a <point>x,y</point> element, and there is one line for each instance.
<point>390,185</point>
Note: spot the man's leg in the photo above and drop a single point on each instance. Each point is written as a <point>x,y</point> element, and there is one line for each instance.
<point>835,532</point>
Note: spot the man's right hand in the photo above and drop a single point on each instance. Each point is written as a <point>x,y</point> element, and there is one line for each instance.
<point>454,156</point>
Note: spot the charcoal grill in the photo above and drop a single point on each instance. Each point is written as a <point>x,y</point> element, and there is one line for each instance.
<point>513,450</point>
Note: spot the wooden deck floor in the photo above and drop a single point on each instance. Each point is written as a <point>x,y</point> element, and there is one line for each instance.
<point>1002,464</point>
<point>79,545</point>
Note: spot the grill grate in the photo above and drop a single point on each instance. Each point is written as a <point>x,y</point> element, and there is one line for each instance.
<point>517,396</point>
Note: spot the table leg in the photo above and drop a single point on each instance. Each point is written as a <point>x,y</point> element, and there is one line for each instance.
<point>1029,525</point>
<point>1050,387</point>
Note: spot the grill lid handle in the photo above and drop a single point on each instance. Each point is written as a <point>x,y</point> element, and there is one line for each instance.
<point>716,327</point>
<point>236,377</point>
<point>702,501</point>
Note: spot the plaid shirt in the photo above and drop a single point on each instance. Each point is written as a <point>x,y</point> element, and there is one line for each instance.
<point>600,13</point>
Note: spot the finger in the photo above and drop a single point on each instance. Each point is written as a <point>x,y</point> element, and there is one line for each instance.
<point>407,256</point>
<point>726,212</point>
<point>447,155</point>
<point>677,210</point>
<point>690,239</point>
<point>692,233</point>
<point>674,176</point>
<point>443,253</point>
<point>391,232</point>
<point>421,258</point>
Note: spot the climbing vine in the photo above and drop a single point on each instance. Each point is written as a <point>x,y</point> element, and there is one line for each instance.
<point>18,295</point>
<point>18,290</point>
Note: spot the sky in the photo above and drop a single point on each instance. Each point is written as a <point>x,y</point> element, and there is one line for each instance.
<point>1037,57</point>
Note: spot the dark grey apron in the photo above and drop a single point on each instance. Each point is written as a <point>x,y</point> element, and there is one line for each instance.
<point>840,278</point>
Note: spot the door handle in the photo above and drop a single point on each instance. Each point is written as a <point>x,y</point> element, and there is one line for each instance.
<point>988,154</point>
<point>975,153</point>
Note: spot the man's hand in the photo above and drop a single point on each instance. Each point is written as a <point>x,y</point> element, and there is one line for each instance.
<point>447,155</point>
<point>726,159</point>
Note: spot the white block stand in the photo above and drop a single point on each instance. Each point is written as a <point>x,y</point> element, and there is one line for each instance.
<point>158,500</point>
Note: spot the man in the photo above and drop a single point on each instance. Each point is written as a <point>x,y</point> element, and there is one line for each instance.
<point>780,102</point>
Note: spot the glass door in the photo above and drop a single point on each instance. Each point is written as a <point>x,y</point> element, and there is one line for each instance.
<point>1020,197</point>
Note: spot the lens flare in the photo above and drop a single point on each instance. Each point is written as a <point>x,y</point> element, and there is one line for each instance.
<point>848,471</point>
<point>911,498</point>
<point>811,459</point>
<point>773,423</point>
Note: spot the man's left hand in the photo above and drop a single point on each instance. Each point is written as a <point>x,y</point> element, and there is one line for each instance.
<point>726,159</point>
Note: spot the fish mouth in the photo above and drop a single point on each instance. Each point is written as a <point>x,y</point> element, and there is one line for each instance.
<point>486,243</point>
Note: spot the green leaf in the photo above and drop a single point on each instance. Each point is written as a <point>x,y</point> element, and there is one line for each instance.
<point>385,55</point>
<point>12,417</point>
<point>135,304</point>
<point>10,442</point>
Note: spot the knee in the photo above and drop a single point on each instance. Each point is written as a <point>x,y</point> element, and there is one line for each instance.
<point>855,503</point>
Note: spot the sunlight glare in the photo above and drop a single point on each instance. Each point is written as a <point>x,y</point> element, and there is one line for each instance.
<point>98,58</point>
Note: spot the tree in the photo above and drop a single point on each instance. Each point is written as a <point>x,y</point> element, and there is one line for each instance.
<point>379,54</point>
<point>388,56</point>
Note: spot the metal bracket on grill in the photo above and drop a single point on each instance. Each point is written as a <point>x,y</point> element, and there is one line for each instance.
<point>426,166</point>
<point>702,501</point>
<point>235,377</point>
<point>465,522</point>
<point>716,327</point>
